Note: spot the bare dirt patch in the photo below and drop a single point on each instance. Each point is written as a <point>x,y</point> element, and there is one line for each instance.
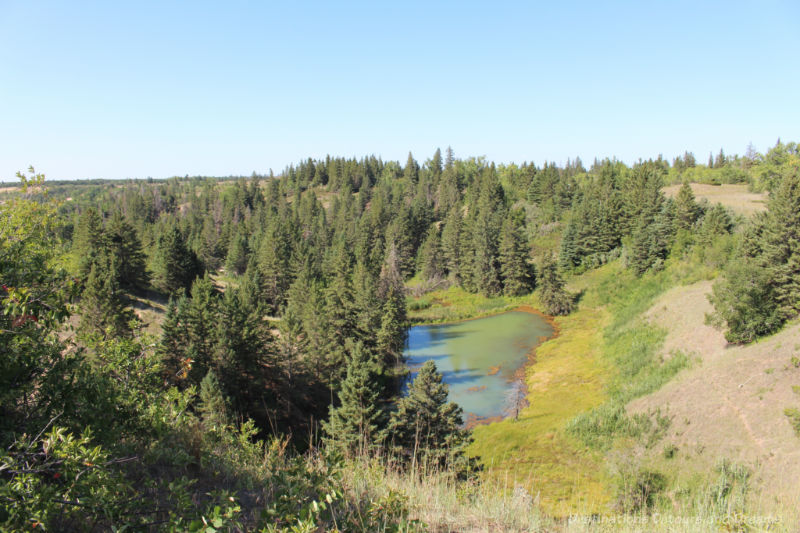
<point>730,402</point>
<point>736,197</point>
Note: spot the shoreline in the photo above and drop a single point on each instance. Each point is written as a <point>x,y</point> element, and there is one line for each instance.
<point>472,420</point>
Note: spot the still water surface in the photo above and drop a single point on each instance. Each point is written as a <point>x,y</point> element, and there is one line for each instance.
<point>478,358</point>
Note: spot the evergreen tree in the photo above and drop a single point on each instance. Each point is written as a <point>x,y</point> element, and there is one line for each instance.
<point>429,259</point>
<point>273,259</point>
<point>88,242</point>
<point>745,301</point>
<point>200,321</point>
<point>399,237</point>
<point>720,161</point>
<point>436,163</point>
<point>411,170</point>
<point>686,209</point>
<point>554,299</point>
<point>354,424</point>
<point>640,259</point>
<point>451,244</point>
<point>171,347</point>
<point>717,221</point>
<point>126,248</point>
<point>103,304</point>
<point>236,262</point>
<point>242,357</point>
<point>517,271</point>
<point>424,426</point>
<point>213,407</point>
<point>391,336</point>
<point>568,255</point>
<point>781,244</point>
<point>175,265</point>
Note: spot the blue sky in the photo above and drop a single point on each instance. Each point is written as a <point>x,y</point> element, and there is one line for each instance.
<point>137,89</point>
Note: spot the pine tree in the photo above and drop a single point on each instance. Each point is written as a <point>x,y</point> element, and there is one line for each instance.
<point>353,426</point>
<point>554,299</point>
<point>424,426</point>
<point>517,271</point>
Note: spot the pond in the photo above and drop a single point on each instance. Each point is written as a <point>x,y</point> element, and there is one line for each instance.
<point>479,358</point>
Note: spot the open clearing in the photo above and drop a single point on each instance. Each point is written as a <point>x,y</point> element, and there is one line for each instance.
<point>736,197</point>
<point>730,403</point>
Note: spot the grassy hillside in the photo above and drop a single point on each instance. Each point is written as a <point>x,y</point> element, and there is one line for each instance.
<point>624,389</point>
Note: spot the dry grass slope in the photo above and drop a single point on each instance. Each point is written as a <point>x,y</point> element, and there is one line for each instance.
<point>731,402</point>
<point>736,197</point>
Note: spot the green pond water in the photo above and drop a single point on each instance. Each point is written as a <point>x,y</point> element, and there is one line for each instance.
<point>479,358</point>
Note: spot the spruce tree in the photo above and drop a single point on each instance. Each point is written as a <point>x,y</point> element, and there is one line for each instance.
<point>554,299</point>
<point>391,335</point>
<point>353,426</point>
<point>429,259</point>
<point>686,209</point>
<point>716,221</point>
<point>639,258</point>
<point>484,268</point>
<point>424,426</point>
<point>213,407</point>
<point>517,271</point>
<point>236,261</point>
<point>172,344</point>
<point>243,353</point>
<point>103,304</point>
<point>126,248</point>
<point>175,265</point>
<point>781,244</point>
<point>745,301</point>
<point>451,244</point>
<point>568,255</point>
<point>88,242</point>
<point>411,170</point>
<point>200,322</point>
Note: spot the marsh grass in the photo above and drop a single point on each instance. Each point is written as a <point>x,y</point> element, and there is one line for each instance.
<point>454,304</point>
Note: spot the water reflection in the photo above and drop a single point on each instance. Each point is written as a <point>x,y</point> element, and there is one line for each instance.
<point>478,358</point>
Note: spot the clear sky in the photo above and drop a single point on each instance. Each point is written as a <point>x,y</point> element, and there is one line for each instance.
<point>137,89</point>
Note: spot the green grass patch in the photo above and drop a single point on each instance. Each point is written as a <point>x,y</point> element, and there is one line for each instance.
<point>534,451</point>
<point>631,347</point>
<point>793,414</point>
<point>454,304</point>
